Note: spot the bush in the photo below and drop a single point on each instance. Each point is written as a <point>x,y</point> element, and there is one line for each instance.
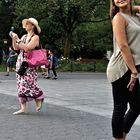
<point>85,65</point>
<point>2,68</point>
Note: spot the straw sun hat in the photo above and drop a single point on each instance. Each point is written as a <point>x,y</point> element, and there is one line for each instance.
<point>33,21</point>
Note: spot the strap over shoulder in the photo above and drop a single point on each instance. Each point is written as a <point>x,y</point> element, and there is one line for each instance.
<point>126,17</point>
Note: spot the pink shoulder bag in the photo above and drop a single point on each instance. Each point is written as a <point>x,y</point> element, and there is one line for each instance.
<point>36,58</point>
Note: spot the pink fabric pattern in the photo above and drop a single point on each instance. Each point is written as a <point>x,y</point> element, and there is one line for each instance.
<point>27,84</point>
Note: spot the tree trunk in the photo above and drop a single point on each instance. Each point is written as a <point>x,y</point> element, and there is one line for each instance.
<point>67,44</point>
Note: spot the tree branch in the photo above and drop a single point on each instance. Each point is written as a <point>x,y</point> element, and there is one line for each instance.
<point>95,21</point>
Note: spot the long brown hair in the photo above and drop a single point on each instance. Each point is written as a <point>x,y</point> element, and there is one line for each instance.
<point>114,9</point>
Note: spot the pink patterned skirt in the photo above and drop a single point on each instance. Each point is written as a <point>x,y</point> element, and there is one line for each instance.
<point>27,84</point>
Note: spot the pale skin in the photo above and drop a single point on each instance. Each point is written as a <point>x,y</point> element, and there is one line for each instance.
<point>34,42</point>
<point>119,25</point>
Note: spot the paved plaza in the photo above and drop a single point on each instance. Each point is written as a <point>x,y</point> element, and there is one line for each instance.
<point>78,106</point>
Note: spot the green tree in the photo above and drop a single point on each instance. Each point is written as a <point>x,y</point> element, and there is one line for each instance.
<point>28,8</point>
<point>93,37</point>
<point>5,18</point>
<point>136,1</point>
<point>60,18</point>
<point>92,40</point>
<point>72,13</point>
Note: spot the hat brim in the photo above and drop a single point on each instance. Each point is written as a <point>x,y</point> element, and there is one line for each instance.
<point>24,21</point>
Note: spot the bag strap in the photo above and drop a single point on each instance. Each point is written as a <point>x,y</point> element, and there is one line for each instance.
<point>36,48</point>
<point>24,40</point>
<point>40,44</point>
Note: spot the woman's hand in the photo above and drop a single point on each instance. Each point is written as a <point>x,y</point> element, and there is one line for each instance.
<point>138,15</point>
<point>132,82</point>
<point>13,35</point>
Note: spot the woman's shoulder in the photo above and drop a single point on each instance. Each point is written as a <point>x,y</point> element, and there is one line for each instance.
<point>35,36</point>
<point>119,19</point>
<point>118,16</point>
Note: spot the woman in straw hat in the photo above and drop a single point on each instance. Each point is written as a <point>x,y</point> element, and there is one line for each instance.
<point>27,84</point>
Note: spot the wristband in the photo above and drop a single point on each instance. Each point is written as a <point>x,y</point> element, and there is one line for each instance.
<point>134,75</point>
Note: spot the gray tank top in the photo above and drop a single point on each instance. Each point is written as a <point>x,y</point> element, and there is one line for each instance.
<point>116,66</point>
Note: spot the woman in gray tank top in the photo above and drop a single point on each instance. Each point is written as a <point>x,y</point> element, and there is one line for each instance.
<point>122,68</point>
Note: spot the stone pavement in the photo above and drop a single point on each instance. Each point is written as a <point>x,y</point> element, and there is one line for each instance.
<point>77,106</point>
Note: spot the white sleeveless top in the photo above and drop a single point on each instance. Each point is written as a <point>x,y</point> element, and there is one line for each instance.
<point>116,66</point>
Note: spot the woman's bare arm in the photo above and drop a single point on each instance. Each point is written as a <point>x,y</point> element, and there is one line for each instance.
<point>136,9</point>
<point>34,42</point>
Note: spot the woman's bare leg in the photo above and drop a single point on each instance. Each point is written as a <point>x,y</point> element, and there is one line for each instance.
<point>22,109</point>
<point>124,136</point>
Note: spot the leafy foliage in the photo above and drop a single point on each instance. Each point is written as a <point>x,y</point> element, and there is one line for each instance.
<point>5,19</point>
<point>66,24</point>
